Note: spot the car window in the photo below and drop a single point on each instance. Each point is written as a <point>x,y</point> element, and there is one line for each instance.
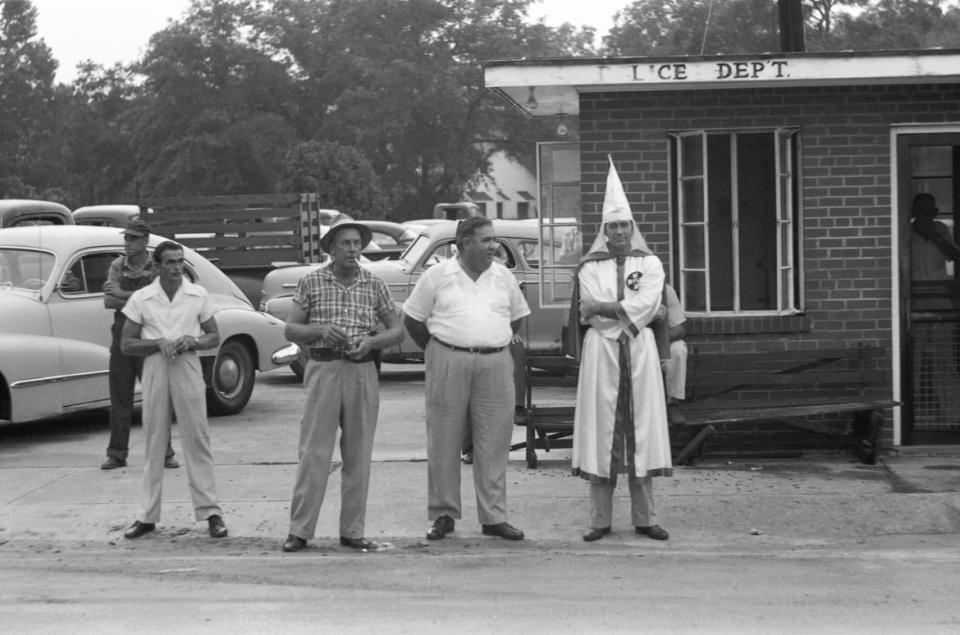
<point>416,249</point>
<point>505,255</point>
<point>25,268</point>
<point>559,253</point>
<point>530,253</point>
<point>443,251</point>
<point>38,220</point>
<point>448,250</point>
<point>87,274</point>
<point>384,240</point>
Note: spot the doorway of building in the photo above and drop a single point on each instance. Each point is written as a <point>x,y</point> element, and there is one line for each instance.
<point>929,223</point>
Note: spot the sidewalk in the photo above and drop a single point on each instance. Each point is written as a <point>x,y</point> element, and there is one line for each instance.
<point>817,501</point>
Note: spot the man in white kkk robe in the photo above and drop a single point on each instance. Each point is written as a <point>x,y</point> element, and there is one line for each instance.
<point>620,425</point>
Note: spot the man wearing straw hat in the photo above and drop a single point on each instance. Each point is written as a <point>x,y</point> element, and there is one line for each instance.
<point>336,311</point>
<point>620,424</point>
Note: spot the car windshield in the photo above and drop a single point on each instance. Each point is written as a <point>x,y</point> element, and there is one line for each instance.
<point>26,269</point>
<point>415,251</point>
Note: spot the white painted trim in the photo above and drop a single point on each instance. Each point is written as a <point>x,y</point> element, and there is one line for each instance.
<point>559,82</point>
<point>727,71</point>
<point>895,131</point>
<point>895,350</point>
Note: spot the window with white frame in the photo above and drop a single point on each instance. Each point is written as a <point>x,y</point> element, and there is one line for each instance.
<point>560,241</point>
<point>735,226</point>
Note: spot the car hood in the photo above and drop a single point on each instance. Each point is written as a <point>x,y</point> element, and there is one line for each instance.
<point>223,302</point>
<point>22,313</point>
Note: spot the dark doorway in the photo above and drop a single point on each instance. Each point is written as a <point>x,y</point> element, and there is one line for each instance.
<point>930,295</point>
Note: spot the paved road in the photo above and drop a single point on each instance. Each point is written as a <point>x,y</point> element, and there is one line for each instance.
<point>821,544</point>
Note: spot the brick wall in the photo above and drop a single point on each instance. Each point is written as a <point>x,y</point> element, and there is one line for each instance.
<point>845,208</point>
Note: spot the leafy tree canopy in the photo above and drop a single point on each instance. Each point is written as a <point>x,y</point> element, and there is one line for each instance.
<point>341,176</point>
<point>253,96</point>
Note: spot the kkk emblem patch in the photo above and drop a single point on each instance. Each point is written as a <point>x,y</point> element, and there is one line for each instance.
<point>633,280</point>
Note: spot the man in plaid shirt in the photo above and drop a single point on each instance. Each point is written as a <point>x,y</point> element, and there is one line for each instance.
<point>336,313</point>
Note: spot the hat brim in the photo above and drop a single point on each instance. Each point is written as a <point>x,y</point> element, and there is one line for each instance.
<point>365,234</point>
<point>134,232</point>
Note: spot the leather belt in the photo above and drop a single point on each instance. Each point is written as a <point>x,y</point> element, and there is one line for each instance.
<point>482,350</point>
<point>335,354</point>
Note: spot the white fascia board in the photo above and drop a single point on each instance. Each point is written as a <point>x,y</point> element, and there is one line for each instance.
<point>571,76</point>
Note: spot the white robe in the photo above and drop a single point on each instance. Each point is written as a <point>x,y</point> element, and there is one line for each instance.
<point>600,370</point>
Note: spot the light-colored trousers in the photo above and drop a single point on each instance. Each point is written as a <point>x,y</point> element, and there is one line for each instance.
<point>641,503</point>
<point>176,388</point>
<point>340,395</point>
<point>675,370</point>
<point>468,393</point>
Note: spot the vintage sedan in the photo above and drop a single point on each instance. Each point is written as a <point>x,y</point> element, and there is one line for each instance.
<point>20,212</point>
<point>105,215</point>
<point>389,240</point>
<point>55,332</point>
<point>520,252</point>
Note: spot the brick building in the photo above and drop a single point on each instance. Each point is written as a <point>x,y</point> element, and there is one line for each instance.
<point>777,190</point>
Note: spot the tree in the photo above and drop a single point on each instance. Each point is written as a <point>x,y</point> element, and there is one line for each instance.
<point>101,161</point>
<point>902,24</point>
<point>214,115</point>
<point>26,92</point>
<point>402,82</point>
<point>693,27</point>
<point>341,176</point>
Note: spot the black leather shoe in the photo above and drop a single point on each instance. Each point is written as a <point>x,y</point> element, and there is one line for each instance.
<point>504,530</point>
<point>654,531</point>
<point>294,543</point>
<point>138,528</point>
<point>596,533</point>
<point>170,463</point>
<point>217,527</point>
<point>467,457</point>
<point>357,543</point>
<point>113,463</point>
<point>442,526</point>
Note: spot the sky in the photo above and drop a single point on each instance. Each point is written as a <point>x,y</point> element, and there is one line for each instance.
<point>110,31</point>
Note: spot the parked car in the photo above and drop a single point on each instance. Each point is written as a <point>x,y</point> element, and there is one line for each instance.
<point>389,239</point>
<point>106,215</point>
<point>456,211</point>
<point>55,332</point>
<point>542,330</point>
<point>16,212</point>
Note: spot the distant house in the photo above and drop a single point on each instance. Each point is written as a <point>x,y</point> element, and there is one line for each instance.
<point>509,191</point>
<point>777,190</point>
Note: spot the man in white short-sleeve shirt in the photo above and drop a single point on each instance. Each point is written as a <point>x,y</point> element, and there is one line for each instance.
<point>168,321</point>
<point>464,312</point>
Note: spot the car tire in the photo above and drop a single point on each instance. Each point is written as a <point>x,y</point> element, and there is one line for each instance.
<point>231,380</point>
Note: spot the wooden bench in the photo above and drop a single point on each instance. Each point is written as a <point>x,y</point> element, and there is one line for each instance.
<point>800,389</point>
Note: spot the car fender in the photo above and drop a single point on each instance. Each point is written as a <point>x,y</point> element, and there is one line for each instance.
<point>262,329</point>
<point>49,376</point>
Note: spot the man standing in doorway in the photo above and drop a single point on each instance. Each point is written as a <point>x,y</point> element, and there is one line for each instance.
<point>935,367</point>
<point>620,424</point>
<point>129,272</point>
<point>336,311</point>
<point>168,321</point>
<point>464,312</point>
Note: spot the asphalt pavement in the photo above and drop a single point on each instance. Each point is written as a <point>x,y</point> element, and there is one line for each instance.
<point>62,497</point>
<point>820,543</point>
